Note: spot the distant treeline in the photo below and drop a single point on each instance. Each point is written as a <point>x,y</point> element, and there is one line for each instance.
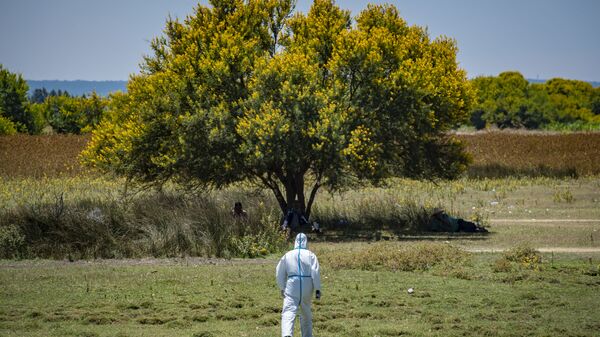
<point>46,112</point>
<point>79,87</point>
<point>510,101</point>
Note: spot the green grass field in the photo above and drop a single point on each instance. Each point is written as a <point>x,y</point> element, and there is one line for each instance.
<point>187,297</point>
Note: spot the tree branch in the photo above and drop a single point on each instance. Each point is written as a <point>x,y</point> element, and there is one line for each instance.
<point>268,181</point>
<point>313,194</point>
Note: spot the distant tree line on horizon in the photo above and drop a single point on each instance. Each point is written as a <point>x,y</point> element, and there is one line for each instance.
<point>504,101</point>
<point>45,112</point>
<point>510,101</point>
<point>78,87</point>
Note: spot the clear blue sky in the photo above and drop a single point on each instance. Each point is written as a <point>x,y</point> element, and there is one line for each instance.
<point>105,39</point>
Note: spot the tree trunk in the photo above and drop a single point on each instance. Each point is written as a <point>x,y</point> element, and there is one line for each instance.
<point>311,199</point>
<point>294,192</point>
<point>294,195</point>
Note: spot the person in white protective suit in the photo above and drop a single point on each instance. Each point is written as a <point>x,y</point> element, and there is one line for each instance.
<point>297,277</point>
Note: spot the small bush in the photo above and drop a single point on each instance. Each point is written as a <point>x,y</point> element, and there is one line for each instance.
<point>524,256</point>
<point>12,242</point>
<point>521,253</point>
<point>259,235</point>
<point>502,265</point>
<point>390,256</point>
<point>7,128</point>
<point>261,244</point>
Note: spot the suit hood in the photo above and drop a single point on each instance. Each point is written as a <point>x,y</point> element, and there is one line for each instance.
<point>301,241</point>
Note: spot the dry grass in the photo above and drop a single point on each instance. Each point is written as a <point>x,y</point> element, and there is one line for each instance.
<point>510,153</point>
<point>495,154</point>
<point>84,220</point>
<point>40,156</point>
<point>397,257</point>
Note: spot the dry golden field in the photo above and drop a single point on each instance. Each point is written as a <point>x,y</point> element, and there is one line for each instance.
<point>40,156</point>
<point>495,154</point>
<point>509,153</point>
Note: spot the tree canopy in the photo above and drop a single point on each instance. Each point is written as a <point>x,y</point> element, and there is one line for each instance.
<point>13,103</point>
<point>66,114</point>
<point>251,90</point>
<point>510,101</point>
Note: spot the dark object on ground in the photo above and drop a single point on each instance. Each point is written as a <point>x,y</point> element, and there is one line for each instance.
<point>295,222</point>
<point>442,222</point>
<point>238,211</point>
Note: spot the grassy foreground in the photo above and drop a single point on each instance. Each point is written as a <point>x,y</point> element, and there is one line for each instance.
<point>188,297</point>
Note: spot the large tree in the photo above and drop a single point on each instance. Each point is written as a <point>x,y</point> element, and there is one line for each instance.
<point>248,90</point>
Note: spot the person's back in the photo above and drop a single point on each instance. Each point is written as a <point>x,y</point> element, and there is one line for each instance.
<point>298,276</point>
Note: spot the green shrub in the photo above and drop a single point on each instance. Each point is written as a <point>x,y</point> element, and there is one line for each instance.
<point>524,256</point>
<point>261,244</point>
<point>7,127</point>
<point>12,242</point>
<point>13,101</point>
<point>502,265</point>
<point>38,119</point>
<point>67,114</point>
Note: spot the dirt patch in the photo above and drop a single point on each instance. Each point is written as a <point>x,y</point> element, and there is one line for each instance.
<point>576,250</point>
<point>536,221</point>
<point>187,261</point>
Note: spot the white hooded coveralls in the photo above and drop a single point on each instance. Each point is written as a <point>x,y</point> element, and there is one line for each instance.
<point>298,276</point>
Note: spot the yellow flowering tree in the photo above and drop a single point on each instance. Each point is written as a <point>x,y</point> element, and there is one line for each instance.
<point>248,90</point>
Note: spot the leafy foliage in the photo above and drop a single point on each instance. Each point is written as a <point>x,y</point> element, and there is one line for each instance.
<point>59,110</point>
<point>509,101</point>
<point>39,95</point>
<point>12,242</point>
<point>13,103</point>
<point>66,114</point>
<point>7,127</point>
<point>523,256</point>
<point>246,90</point>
